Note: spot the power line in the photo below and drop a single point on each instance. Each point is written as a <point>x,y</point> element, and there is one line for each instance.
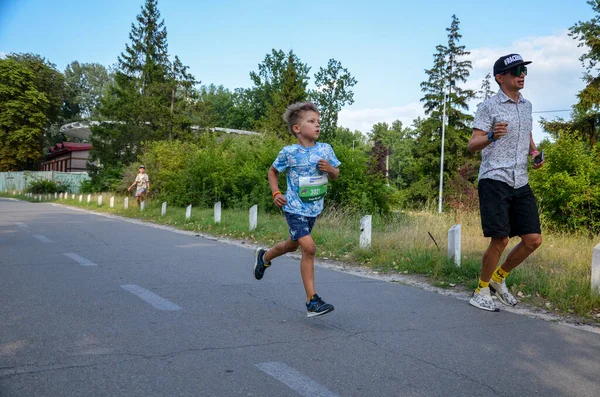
<point>553,111</point>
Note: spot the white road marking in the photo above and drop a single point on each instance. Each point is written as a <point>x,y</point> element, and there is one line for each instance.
<point>296,381</point>
<point>42,239</point>
<point>80,259</point>
<point>151,298</point>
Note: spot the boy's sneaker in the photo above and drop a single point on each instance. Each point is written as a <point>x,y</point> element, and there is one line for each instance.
<point>502,293</point>
<point>483,300</point>
<point>259,265</point>
<point>317,307</point>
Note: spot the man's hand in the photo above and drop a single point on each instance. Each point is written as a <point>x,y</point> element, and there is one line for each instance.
<point>279,200</point>
<point>535,165</point>
<point>500,129</point>
<point>129,189</point>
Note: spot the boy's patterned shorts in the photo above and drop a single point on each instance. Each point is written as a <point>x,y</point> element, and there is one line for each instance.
<point>299,225</point>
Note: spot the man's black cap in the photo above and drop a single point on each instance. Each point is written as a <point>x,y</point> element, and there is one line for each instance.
<point>508,62</point>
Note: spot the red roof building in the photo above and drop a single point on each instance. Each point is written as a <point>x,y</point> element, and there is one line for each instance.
<point>67,157</point>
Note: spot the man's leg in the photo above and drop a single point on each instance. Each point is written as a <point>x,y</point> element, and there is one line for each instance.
<point>528,244</point>
<point>491,257</point>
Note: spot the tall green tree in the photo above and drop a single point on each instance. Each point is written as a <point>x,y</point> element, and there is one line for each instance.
<point>334,91</point>
<point>486,88</point>
<point>586,115</point>
<point>450,69</point>
<point>48,80</point>
<point>276,70</point>
<point>23,117</point>
<point>86,84</point>
<point>148,99</point>
<point>292,89</point>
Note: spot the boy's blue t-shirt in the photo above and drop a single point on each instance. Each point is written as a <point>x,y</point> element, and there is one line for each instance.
<point>299,161</point>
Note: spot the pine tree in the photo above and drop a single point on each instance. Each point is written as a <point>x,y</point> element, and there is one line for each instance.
<point>291,88</point>
<point>450,69</point>
<point>486,88</point>
<point>147,100</point>
<point>277,69</point>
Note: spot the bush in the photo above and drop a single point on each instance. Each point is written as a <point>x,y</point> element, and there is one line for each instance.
<point>233,170</point>
<point>45,186</point>
<point>568,186</point>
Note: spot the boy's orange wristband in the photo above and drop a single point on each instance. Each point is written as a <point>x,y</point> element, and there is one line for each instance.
<point>276,193</point>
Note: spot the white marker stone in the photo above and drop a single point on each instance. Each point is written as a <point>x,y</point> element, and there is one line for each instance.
<point>454,244</point>
<point>218,212</point>
<point>142,206</point>
<point>126,203</point>
<point>112,202</point>
<point>596,269</point>
<point>188,212</point>
<point>253,217</point>
<point>80,198</point>
<point>89,198</point>
<point>163,210</point>
<point>100,200</point>
<point>365,231</point>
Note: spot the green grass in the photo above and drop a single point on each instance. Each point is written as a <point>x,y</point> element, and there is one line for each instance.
<point>556,277</point>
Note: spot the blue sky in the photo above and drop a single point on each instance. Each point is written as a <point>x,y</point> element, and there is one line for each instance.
<point>386,45</point>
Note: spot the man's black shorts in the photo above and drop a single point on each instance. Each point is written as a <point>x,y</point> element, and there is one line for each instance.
<point>506,211</point>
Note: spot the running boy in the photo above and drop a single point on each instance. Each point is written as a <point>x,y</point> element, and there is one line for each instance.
<point>308,166</point>
<point>142,180</point>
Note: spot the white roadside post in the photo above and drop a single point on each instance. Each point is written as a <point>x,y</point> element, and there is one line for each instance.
<point>188,212</point>
<point>454,244</point>
<point>100,200</point>
<point>163,210</point>
<point>596,270</point>
<point>126,203</point>
<point>253,217</point>
<point>80,198</point>
<point>89,198</point>
<point>73,198</point>
<point>218,212</point>
<point>365,231</point>
<point>112,202</point>
<point>143,205</point>
<point>60,196</point>
<point>55,195</point>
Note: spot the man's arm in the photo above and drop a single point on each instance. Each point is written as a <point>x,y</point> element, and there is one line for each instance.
<point>479,141</point>
<point>532,146</point>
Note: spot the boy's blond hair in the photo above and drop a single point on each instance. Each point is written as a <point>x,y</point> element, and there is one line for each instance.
<point>293,114</point>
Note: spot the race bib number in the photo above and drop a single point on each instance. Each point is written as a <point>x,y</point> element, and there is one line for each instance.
<point>312,188</point>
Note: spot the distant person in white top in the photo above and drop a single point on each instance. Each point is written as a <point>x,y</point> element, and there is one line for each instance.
<point>142,180</point>
<point>502,130</point>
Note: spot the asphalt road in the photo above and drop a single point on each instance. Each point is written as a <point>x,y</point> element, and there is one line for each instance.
<point>99,306</point>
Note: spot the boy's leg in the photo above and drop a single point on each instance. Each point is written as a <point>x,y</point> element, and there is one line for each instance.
<point>279,249</point>
<point>307,265</point>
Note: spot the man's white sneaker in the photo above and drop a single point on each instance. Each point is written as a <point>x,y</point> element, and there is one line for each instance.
<point>483,300</point>
<point>502,293</point>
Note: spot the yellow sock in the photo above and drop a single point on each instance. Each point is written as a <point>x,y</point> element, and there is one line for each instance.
<point>482,284</point>
<point>499,275</point>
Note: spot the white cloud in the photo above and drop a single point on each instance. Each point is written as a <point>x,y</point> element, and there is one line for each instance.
<point>553,82</point>
<point>363,119</point>
<point>554,77</point>
<point>3,54</point>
